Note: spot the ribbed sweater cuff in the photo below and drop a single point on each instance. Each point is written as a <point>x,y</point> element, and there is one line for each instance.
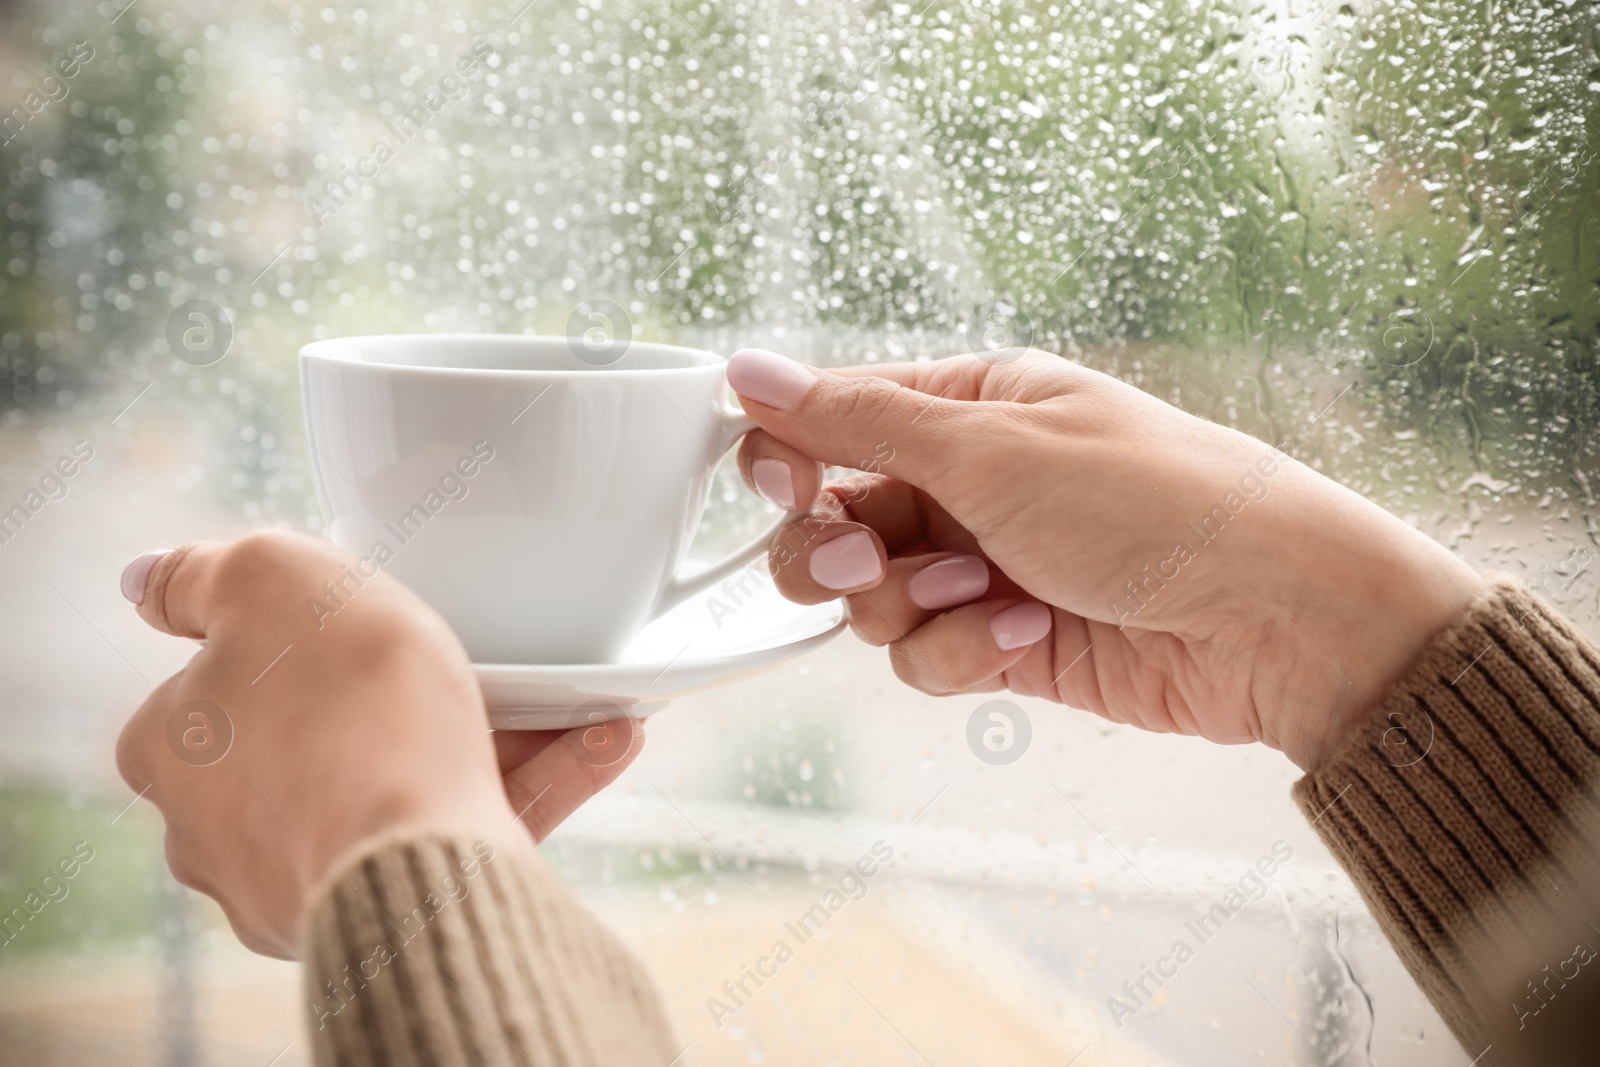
<point>445,950</point>
<point>1463,810</point>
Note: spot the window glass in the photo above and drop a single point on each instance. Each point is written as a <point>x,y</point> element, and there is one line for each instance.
<point>1367,233</point>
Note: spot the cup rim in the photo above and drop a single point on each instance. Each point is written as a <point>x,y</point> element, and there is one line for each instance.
<point>336,350</point>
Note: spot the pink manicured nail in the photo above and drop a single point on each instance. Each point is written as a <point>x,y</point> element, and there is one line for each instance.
<point>774,482</point>
<point>136,575</point>
<point>768,378</point>
<point>957,580</point>
<point>846,562</point>
<point>1021,625</point>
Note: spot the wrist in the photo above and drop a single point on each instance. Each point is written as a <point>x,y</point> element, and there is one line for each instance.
<point>1357,596</point>
<point>386,818</point>
<point>1385,604</point>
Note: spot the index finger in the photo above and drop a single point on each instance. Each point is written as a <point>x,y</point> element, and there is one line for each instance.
<point>1023,375</point>
<point>550,774</point>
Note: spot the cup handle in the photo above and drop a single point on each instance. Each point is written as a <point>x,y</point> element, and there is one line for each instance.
<point>732,424</point>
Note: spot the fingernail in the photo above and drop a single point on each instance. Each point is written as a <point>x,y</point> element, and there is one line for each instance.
<point>846,562</point>
<point>768,378</point>
<point>774,482</point>
<point>1021,625</point>
<point>957,580</point>
<point>136,575</point>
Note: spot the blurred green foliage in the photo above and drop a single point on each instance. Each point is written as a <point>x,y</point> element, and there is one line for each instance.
<point>1407,189</point>
<point>114,895</point>
<point>800,764</point>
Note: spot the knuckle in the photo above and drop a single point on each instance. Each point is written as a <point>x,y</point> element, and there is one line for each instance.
<point>935,671</point>
<point>783,551</point>
<point>869,635</point>
<point>258,941</point>
<point>130,756</point>
<point>911,666</point>
<point>139,735</point>
<point>828,507</point>
<point>523,796</point>
<point>184,871</point>
<point>868,623</point>
<point>867,401</point>
<point>259,558</point>
<point>837,496</point>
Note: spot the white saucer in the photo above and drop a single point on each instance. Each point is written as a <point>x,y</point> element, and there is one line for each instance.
<point>733,631</point>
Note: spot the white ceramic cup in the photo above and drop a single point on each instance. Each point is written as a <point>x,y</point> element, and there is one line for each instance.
<point>541,504</point>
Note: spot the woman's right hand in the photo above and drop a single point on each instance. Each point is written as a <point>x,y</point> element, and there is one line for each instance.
<point>1025,523</point>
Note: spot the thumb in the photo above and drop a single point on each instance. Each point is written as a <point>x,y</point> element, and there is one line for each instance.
<point>171,587</point>
<point>854,421</point>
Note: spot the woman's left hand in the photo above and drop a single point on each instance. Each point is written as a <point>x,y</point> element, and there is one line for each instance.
<point>294,736</point>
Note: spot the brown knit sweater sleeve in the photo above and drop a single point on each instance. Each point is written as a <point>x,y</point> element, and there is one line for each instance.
<point>446,950</point>
<point>1464,812</point>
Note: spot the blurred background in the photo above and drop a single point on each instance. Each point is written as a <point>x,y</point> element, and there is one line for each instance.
<point>1366,232</point>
